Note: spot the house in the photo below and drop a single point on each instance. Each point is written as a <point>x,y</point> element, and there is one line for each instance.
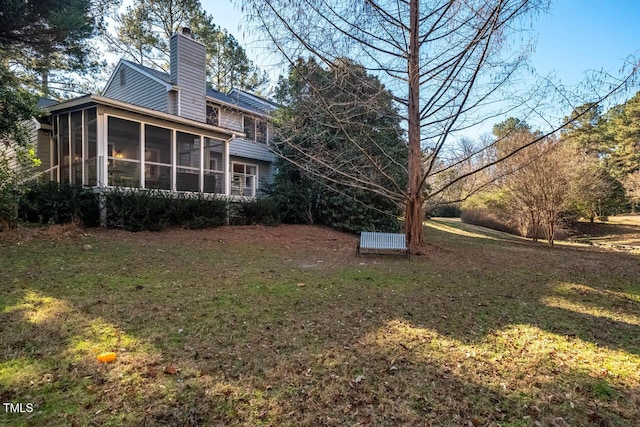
<point>154,130</point>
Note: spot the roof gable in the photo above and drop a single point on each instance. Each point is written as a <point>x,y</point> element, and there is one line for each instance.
<point>156,75</point>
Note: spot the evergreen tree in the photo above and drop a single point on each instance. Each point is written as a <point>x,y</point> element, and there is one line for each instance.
<point>623,127</point>
<point>365,140</point>
<point>143,32</point>
<point>37,37</point>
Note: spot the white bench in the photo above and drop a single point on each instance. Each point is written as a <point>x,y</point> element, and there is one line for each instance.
<point>383,242</point>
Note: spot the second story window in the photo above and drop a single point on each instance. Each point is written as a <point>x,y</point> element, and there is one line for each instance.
<point>261,131</point>
<point>213,115</point>
<point>255,129</point>
<point>250,128</point>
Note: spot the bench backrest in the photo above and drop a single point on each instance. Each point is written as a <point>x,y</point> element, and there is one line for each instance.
<point>374,240</point>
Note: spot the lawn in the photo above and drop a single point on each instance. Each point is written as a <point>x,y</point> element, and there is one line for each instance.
<point>621,230</point>
<point>285,326</point>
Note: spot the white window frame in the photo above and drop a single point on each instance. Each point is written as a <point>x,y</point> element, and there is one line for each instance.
<point>217,107</point>
<point>255,128</point>
<point>243,177</point>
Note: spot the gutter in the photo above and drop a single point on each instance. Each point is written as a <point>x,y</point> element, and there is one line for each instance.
<point>98,99</point>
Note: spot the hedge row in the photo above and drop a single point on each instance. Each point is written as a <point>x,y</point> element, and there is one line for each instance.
<point>138,210</point>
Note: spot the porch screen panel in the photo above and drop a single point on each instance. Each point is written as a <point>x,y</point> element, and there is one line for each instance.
<point>63,144</point>
<point>55,155</point>
<point>76,147</point>
<point>213,166</point>
<point>188,158</point>
<point>157,157</point>
<point>124,152</point>
<point>91,152</point>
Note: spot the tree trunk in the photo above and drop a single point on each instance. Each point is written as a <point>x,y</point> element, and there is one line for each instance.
<point>551,229</point>
<point>413,214</point>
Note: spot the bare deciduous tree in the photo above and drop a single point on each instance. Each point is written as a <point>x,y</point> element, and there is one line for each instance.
<point>447,62</point>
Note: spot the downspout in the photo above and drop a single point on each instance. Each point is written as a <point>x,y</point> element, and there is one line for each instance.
<point>227,180</point>
<point>179,101</point>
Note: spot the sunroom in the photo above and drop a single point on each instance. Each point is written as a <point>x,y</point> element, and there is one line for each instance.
<point>100,142</point>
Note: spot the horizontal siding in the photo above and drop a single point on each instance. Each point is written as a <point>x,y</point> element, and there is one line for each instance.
<point>188,71</point>
<point>250,150</point>
<point>265,169</point>
<point>231,120</point>
<point>8,150</point>
<point>138,90</point>
<point>43,150</point>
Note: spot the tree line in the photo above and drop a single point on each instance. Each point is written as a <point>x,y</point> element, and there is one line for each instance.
<point>376,103</point>
<point>589,170</point>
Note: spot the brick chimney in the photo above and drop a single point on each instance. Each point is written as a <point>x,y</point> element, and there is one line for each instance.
<point>188,73</point>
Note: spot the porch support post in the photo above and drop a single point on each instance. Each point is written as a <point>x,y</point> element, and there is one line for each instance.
<point>174,163</point>
<point>225,162</point>
<point>201,173</point>
<point>102,147</point>
<point>142,155</point>
<point>102,206</point>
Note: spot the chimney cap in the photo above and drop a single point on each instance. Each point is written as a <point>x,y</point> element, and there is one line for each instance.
<point>186,31</point>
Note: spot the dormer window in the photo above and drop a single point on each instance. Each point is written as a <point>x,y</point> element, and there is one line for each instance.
<point>255,129</point>
<point>213,115</point>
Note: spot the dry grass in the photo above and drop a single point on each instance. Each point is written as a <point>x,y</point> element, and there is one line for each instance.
<point>284,326</point>
<point>621,230</point>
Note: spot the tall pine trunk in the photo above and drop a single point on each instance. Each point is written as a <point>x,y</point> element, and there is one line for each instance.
<point>413,214</point>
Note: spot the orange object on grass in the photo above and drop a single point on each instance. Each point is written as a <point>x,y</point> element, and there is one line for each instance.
<point>107,357</point>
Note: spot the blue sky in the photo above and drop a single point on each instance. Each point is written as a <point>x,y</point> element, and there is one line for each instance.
<point>578,35</point>
<point>573,37</point>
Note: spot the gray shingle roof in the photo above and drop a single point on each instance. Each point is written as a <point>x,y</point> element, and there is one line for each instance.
<point>236,98</point>
<point>45,102</point>
<point>159,74</point>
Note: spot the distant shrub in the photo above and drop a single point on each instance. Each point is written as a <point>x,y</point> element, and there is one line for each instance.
<point>445,211</point>
<point>261,211</point>
<point>488,219</point>
<point>53,203</point>
<point>153,210</point>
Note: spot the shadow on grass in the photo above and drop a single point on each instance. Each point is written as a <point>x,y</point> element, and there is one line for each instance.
<point>486,337</point>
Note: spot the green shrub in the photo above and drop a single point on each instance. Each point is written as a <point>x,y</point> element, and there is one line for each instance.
<point>262,211</point>
<point>154,210</point>
<point>197,211</point>
<point>53,203</point>
<point>357,211</point>
<point>16,166</point>
<point>445,211</point>
<point>302,200</point>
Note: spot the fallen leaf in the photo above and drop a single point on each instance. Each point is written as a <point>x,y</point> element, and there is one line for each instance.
<point>170,369</point>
